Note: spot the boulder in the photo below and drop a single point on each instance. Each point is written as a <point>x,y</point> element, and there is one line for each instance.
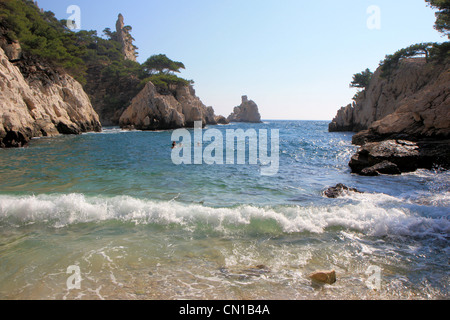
<point>326,277</point>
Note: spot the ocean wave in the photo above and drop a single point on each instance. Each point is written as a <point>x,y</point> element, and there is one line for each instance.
<point>111,131</point>
<point>372,214</point>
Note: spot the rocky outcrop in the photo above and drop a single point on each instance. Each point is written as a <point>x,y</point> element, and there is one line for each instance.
<point>423,115</point>
<point>38,101</point>
<point>343,120</point>
<point>403,120</point>
<point>126,40</point>
<point>151,110</point>
<point>414,87</point>
<point>246,112</point>
<point>339,191</point>
<point>221,120</point>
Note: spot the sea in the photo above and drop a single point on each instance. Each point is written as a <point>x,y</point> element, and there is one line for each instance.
<point>110,216</point>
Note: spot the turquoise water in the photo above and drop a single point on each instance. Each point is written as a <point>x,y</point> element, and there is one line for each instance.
<point>140,227</point>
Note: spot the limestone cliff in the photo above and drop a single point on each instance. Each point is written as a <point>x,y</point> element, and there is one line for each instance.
<point>151,110</point>
<point>403,121</point>
<point>246,112</point>
<point>415,96</point>
<point>38,101</point>
<point>422,114</point>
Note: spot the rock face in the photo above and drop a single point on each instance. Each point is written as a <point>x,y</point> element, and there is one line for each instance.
<point>403,120</point>
<point>423,115</point>
<point>37,101</point>
<point>412,96</point>
<point>151,110</point>
<point>125,38</point>
<point>246,112</point>
<point>12,49</point>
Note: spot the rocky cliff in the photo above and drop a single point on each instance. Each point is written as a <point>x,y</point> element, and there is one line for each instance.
<point>152,110</point>
<point>414,83</point>
<point>422,111</point>
<point>246,112</point>
<point>403,121</point>
<point>37,101</point>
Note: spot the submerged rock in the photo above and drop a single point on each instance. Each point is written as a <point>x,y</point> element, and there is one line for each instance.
<point>339,191</point>
<point>245,273</point>
<point>326,277</point>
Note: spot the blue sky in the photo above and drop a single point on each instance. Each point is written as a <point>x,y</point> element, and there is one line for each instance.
<point>294,58</point>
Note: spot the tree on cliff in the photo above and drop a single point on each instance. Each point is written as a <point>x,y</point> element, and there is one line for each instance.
<point>420,49</point>
<point>162,64</point>
<point>442,16</point>
<point>160,70</point>
<point>362,80</point>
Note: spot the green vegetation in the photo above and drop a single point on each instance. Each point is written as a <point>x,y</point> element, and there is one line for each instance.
<point>432,52</point>
<point>391,62</point>
<point>160,71</point>
<point>83,54</point>
<point>165,83</point>
<point>162,65</point>
<point>42,35</point>
<point>442,16</point>
<point>362,80</point>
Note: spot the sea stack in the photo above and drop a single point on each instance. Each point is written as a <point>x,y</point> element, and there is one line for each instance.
<point>246,112</point>
<point>125,38</point>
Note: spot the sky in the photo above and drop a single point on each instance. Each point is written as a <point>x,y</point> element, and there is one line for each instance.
<point>294,58</point>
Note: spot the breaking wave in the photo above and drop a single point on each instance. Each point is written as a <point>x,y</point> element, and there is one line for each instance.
<point>372,214</point>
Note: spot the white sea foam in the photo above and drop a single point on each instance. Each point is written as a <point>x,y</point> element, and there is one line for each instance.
<point>372,214</point>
